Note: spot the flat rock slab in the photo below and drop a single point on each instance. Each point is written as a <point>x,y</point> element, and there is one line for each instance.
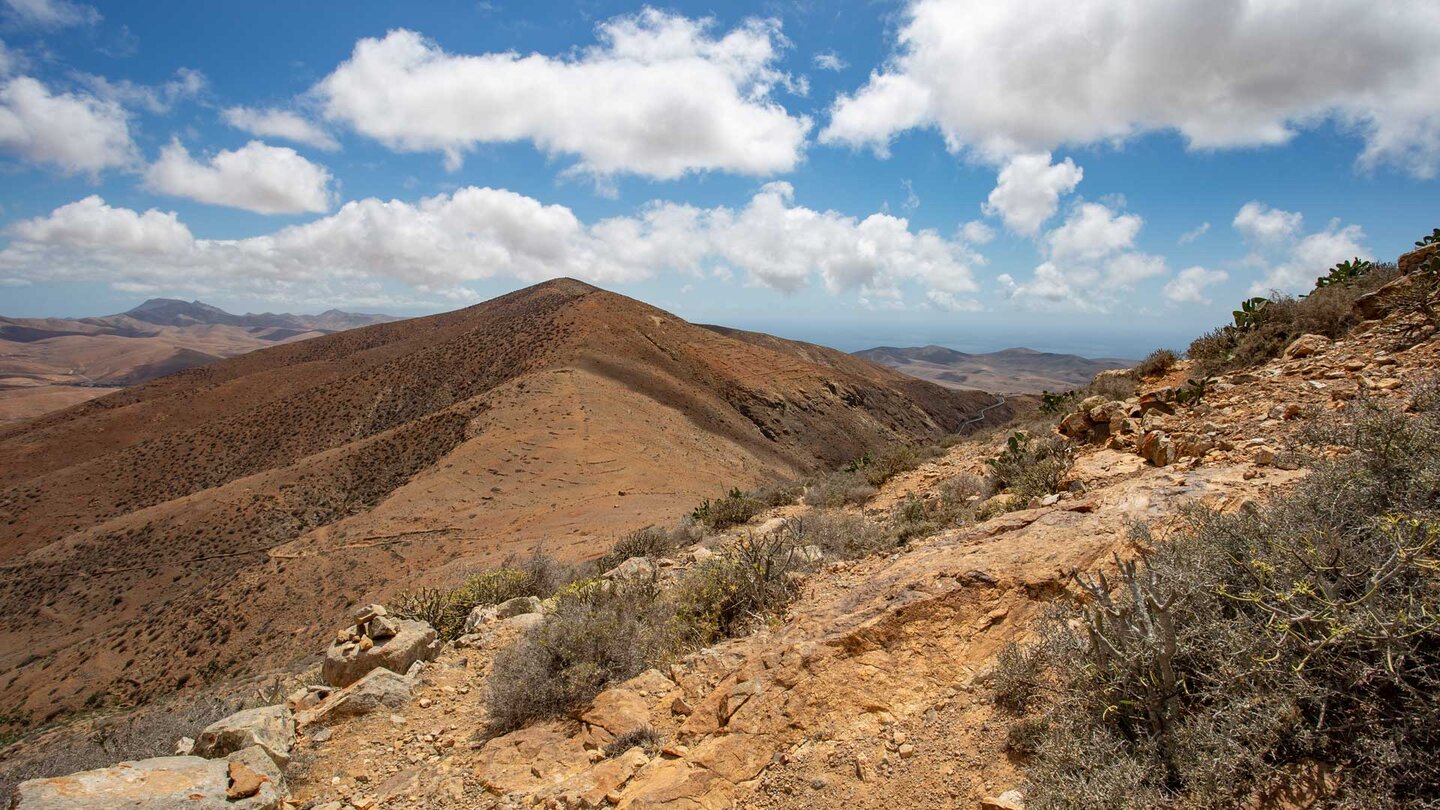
<point>162,783</point>
<point>347,662</point>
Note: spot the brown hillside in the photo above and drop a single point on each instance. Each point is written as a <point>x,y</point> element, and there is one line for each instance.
<point>221,519</point>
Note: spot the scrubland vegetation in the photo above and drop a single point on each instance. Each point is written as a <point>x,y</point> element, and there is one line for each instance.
<point>1295,642</point>
<point>1263,327</point>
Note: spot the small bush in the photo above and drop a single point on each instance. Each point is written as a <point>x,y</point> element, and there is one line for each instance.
<point>1112,387</point>
<point>858,481</point>
<point>446,610</point>
<point>777,495</point>
<point>889,463</point>
<point>734,509</point>
<point>597,633</point>
<point>1157,364</point>
<point>955,502</point>
<point>646,737</point>
<point>651,542</point>
<point>841,535</point>
<point>1253,644</point>
<point>840,489</point>
<point>744,584</point>
<point>1031,468</point>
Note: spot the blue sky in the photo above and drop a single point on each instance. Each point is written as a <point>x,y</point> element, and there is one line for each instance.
<point>1099,177</point>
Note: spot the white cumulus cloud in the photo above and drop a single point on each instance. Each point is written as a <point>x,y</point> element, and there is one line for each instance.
<point>256,177</point>
<point>440,243</point>
<point>1089,260</point>
<point>283,124</point>
<point>76,132</point>
<point>1032,75</point>
<point>1189,285</point>
<point>1259,223</point>
<point>1028,190</point>
<point>660,96</point>
<point>1294,266</point>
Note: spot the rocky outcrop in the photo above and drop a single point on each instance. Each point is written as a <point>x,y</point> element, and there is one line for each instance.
<point>376,640</point>
<point>1412,261</point>
<point>246,780</point>
<point>271,728</point>
<point>379,689</point>
<point>1306,346</point>
<point>489,614</point>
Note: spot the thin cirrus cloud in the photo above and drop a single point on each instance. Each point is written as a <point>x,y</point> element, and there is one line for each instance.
<point>437,245</point>
<point>51,13</point>
<point>77,133</point>
<point>256,177</point>
<point>660,96</point>
<point>282,124</point>
<point>1222,74</point>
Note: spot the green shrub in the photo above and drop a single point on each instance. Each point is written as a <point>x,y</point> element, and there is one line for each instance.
<point>597,633</point>
<point>1346,272</point>
<point>446,610</point>
<point>1252,644</point>
<point>1029,467</point>
<point>1057,403</point>
<point>734,509</point>
<point>1157,364</point>
<point>744,584</point>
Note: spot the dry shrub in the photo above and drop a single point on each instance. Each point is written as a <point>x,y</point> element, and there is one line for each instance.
<point>1029,467</point>
<point>1253,644</point>
<point>446,610</point>
<point>956,502</point>
<point>1111,387</point>
<point>741,586</point>
<point>841,535</point>
<point>840,489</point>
<point>597,633</point>
<point>1158,363</point>
<point>857,482</point>
<point>645,737</point>
<point>651,542</point>
<point>1263,334</point>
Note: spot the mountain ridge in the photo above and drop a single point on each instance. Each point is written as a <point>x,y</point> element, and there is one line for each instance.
<point>197,504</point>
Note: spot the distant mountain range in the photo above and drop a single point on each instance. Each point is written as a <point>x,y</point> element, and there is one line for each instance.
<point>51,363</point>
<point>1010,371</point>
